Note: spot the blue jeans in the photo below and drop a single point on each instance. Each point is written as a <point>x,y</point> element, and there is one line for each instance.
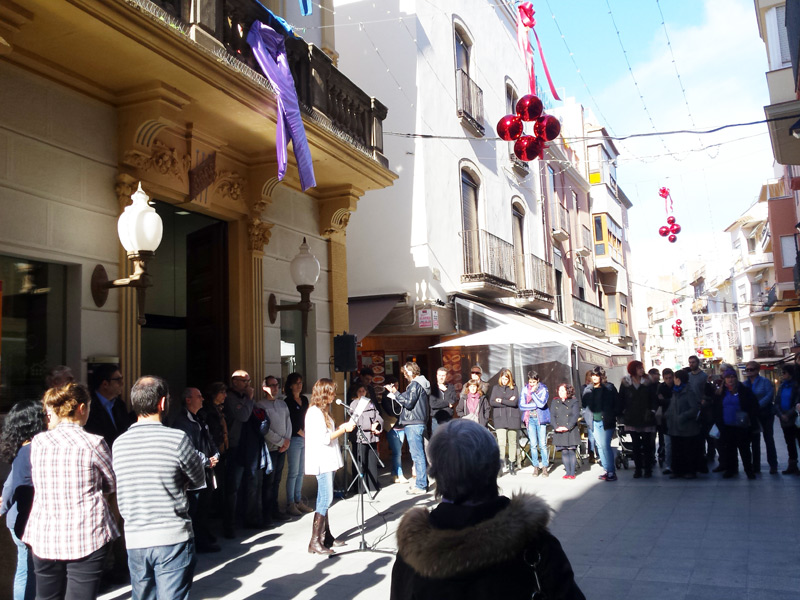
<point>162,571</point>
<point>416,445</point>
<point>296,461</point>
<point>24,578</point>
<point>602,440</point>
<point>396,438</point>
<point>324,492</point>
<point>537,436</point>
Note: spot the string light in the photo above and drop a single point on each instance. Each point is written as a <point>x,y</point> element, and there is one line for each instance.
<point>633,77</point>
<point>677,73</point>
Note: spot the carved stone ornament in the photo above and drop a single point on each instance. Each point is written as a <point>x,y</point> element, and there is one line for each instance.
<point>259,233</point>
<point>124,188</point>
<point>162,158</point>
<point>338,224</point>
<point>230,185</point>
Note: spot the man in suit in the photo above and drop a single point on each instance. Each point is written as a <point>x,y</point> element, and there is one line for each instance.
<point>109,416</point>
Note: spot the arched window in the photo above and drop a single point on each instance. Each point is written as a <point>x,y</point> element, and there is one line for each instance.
<point>470,188</point>
<point>463,50</point>
<point>518,237</point>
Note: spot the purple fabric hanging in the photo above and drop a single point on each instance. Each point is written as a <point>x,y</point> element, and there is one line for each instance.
<point>270,52</point>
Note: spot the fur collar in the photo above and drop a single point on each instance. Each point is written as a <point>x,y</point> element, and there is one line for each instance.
<point>445,553</point>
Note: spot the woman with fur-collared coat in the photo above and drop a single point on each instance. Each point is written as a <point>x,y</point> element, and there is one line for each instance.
<point>476,543</point>
<point>639,402</point>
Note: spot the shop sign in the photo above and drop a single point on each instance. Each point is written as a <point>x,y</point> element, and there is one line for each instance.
<point>425,318</point>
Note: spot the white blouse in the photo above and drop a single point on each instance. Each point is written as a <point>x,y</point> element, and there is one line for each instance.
<point>322,452</point>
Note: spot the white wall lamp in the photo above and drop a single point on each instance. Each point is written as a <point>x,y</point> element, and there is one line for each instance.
<point>140,230</point>
<point>305,273</point>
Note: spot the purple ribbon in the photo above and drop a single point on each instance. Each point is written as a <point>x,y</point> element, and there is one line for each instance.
<point>269,49</point>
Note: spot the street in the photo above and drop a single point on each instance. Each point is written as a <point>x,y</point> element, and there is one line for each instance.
<point>659,538</point>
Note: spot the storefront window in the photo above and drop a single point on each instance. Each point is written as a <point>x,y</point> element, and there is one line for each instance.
<point>32,326</point>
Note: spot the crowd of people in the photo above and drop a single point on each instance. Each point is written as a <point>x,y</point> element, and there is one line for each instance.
<point>84,503</point>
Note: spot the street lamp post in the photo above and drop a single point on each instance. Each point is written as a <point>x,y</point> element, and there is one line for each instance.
<point>305,270</point>
<point>140,230</point>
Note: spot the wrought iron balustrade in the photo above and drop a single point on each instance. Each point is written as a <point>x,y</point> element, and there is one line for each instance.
<point>487,258</point>
<point>469,98</point>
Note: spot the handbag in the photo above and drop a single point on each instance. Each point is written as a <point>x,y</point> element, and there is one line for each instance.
<point>742,419</point>
<point>714,432</point>
<point>472,417</point>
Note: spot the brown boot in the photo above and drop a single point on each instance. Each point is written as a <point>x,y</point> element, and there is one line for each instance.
<point>330,541</point>
<point>317,532</point>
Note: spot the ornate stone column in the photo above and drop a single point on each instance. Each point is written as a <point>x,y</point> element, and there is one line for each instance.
<point>335,206</point>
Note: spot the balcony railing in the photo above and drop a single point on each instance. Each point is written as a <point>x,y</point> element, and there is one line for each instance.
<point>538,283</point>
<point>469,98</point>
<point>325,94</point>
<point>487,258</point>
<point>559,221</point>
<point>588,315</point>
<point>766,350</point>
<point>616,328</point>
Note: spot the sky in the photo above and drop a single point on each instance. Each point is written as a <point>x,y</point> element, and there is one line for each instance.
<point>722,63</point>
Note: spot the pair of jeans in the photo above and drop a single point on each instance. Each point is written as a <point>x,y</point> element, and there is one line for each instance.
<point>269,486</point>
<point>296,459</point>
<point>537,436</point>
<point>162,571</point>
<point>70,579</point>
<point>239,478</point>
<point>602,440</point>
<point>767,421</point>
<point>324,492</point>
<point>416,445</point>
<point>396,438</point>
<point>507,436</point>
<point>733,439</point>
<point>791,435</point>
<point>24,577</point>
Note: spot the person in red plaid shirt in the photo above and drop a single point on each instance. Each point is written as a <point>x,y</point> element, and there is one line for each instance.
<point>70,527</point>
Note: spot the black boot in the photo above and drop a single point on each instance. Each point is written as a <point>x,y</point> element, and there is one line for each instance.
<point>329,541</point>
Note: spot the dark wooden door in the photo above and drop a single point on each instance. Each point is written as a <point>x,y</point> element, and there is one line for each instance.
<point>207,306</point>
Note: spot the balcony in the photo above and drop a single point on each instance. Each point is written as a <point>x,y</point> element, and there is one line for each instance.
<point>766,350</point>
<point>758,261</point>
<point>589,317</point>
<point>616,328</point>
<point>488,264</point>
<point>559,222</point>
<point>538,288</point>
<point>780,84</point>
<point>469,101</point>
<point>519,165</point>
<point>322,90</point>
<point>584,245</point>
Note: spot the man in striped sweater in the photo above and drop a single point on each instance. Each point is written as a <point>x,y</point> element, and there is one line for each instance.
<point>155,465</point>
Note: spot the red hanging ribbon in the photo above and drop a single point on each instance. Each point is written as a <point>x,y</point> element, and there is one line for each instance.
<point>526,21</point>
<point>668,205</point>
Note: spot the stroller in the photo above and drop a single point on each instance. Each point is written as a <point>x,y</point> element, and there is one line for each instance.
<point>625,453</point>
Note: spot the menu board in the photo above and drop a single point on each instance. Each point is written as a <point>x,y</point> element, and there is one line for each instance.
<point>375,359</point>
<point>451,360</point>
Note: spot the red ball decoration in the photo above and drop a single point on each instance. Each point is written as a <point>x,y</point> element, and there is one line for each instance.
<point>509,128</point>
<point>663,231</point>
<point>547,127</point>
<point>672,238</point>
<point>678,322</point>
<point>675,228</point>
<point>670,219</point>
<point>528,148</point>
<point>529,107</point>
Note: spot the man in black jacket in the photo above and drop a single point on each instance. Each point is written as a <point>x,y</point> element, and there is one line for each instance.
<point>442,400</point>
<point>193,425</point>
<point>109,417</point>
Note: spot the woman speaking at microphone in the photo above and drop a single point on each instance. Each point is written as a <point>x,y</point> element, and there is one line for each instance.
<point>323,458</point>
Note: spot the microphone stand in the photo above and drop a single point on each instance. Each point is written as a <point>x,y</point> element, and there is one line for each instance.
<point>362,488</point>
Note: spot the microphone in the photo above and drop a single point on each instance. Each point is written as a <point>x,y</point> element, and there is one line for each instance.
<point>340,402</point>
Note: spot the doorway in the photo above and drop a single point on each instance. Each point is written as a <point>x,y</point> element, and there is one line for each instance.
<point>185,339</point>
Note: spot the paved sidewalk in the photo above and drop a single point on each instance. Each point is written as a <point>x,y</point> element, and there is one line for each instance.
<point>659,538</point>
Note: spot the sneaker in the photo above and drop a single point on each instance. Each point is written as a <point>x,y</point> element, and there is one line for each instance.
<point>667,472</point>
<point>570,476</point>
<point>611,477</point>
<point>415,491</point>
<point>303,508</point>
<point>293,510</point>
<point>400,479</point>
<point>603,476</point>
<point>565,477</point>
